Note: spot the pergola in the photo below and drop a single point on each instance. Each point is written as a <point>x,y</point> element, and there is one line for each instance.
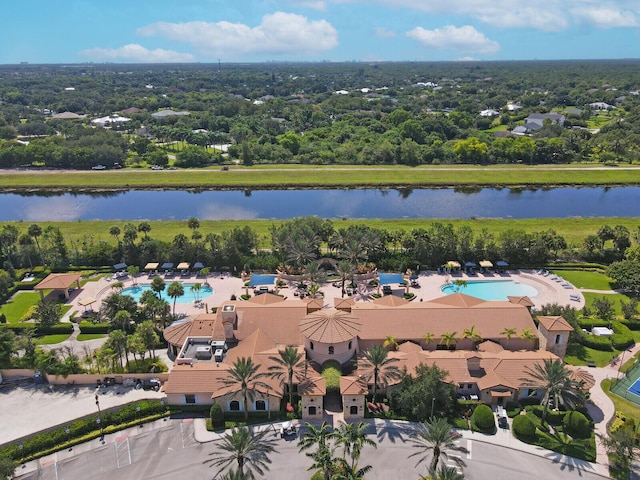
<point>87,302</point>
<point>183,266</point>
<point>59,281</point>
<point>151,266</point>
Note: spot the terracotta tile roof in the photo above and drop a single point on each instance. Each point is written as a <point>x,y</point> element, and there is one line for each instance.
<point>198,326</point>
<point>58,281</point>
<point>257,342</point>
<point>330,326</point>
<point>344,303</point>
<point>266,298</point>
<point>552,324</point>
<point>580,375</point>
<point>353,386</point>
<point>313,386</point>
<point>201,377</point>
<point>407,347</point>
<point>458,300</point>
<point>489,346</point>
<point>390,301</point>
<point>314,303</point>
<point>526,301</point>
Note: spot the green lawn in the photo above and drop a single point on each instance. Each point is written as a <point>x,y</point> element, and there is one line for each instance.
<point>590,280</point>
<point>19,305</point>
<point>90,336</point>
<point>52,339</point>
<point>580,355</point>
<point>616,298</point>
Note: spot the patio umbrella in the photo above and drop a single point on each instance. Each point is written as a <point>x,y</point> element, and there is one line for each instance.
<point>120,266</point>
<point>198,265</point>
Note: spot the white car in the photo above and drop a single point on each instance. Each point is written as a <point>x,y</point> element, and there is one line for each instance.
<point>157,167</point>
<point>98,167</point>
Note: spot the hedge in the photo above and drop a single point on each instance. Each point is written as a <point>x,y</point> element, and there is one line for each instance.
<point>589,323</point>
<point>483,419</point>
<point>523,428</point>
<point>597,343</point>
<point>19,328</point>
<point>216,414</point>
<point>622,337</point>
<point>553,417</point>
<point>577,425</point>
<point>55,329</point>
<point>632,324</point>
<point>332,371</point>
<point>90,327</point>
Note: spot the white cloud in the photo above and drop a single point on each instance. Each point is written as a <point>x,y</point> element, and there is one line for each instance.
<point>463,39</point>
<point>137,53</point>
<point>384,33</point>
<point>606,17</point>
<point>315,4</point>
<point>279,33</point>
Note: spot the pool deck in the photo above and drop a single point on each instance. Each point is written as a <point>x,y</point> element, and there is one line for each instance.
<point>225,285</point>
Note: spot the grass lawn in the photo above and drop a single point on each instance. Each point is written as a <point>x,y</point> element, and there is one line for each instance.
<point>580,355</point>
<point>616,298</point>
<point>52,339</point>
<point>19,305</point>
<point>629,409</point>
<point>632,361</point>
<point>83,337</point>
<point>590,280</point>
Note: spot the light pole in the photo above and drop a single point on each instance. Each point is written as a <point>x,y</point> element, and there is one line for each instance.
<point>20,447</point>
<point>67,431</point>
<point>620,366</point>
<point>101,430</point>
<point>433,401</point>
<point>138,415</point>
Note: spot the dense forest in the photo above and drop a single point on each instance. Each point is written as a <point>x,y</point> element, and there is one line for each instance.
<point>324,113</point>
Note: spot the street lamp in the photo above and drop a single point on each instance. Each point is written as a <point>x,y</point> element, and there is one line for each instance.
<point>67,431</point>
<point>138,415</point>
<point>20,447</point>
<point>620,366</point>
<point>433,401</point>
<point>98,421</point>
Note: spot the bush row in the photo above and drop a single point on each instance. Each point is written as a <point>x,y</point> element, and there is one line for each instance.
<point>589,323</point>
<point>553,417</point>
<point>90,327</point>
<point>622,337</point>
<point>39,330</point>
<point>597,343</point>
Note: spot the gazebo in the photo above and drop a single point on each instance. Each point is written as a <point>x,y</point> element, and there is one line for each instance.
<point>87,303</point>
<point>151,268</point>
<point>59,281</point>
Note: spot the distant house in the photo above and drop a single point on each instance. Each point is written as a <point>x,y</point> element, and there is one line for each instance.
<point>512,107</point>
<point>131,111</point>
<point>168,113</point>
<point>110,120</point>
<point>601,106</point>
<point>489,113</point>
<point>67,116</point>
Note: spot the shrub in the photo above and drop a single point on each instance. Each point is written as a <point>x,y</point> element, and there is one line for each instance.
<point>483,419</point>
<point>597,343</point>
<point>523,428</point>
<point>90,327</point>
<point>622,337</point>
<point>332,371</point>
<point>589,323</point>
<point>576,424</point>
<point>217,415</point>
<point>55,329</point>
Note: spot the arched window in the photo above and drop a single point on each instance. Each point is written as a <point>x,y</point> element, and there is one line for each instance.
<point>350,345</point>
<point>261,405</point>
<point>331,349</point>
<point>234,406</point>
<point>311,345</point>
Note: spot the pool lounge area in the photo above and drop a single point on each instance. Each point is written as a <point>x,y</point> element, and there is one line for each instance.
<point>492,289</point>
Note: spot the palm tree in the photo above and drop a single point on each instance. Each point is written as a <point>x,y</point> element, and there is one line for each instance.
<point>145,227</point>
<point>343,471</point>
<point>133,271</point>
<point>157,285</point>
<point>323,455</point>
<point>554,377</point>
<point>115,231</point>
<point>286,363</point>
<point>195,288</point>
<point>345,271</point>
<point>35,231</point>
<point>382,368</point>
<point>390,342</point>
<point>235,475</point>
<point>527,334</point>
<point>448,338</point>
<point>428,338</point>
<point>448,473</point>
<point>435,437</point>
<point>174,291</point>
<point>245,376</point>
<point>204,272</point>
<point>472,334</point>
<point>353,437</point>
<point>508,332</point>
<point>122,320</point>
<point>246,449</point>
<point>117,286</point>
<point>459,284</point>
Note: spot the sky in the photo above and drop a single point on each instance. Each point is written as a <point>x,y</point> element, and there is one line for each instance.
<point>175,31</point>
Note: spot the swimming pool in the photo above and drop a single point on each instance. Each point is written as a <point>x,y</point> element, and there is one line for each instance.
<point>389,278</point>
<point>188,297</point>
<point>262,280</point>
<point>493,289</point>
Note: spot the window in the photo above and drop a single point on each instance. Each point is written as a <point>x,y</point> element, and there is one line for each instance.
<point>353,410</point>
<point>190,399</point>
<point>261,406</point>
<point>312,410</point>
<point>349,345</point>
<point>558,339</point>
<point>331,349</point>
<point>469,386</point>
<point>311,345</point>
<point>234,406</point>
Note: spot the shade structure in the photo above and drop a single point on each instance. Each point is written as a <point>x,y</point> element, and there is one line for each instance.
<point>120,266</point>
<point>470,264</point>
<point>85,302</point>
<point>198,265</point>
<point>486,264</point>
<point>498,393</point>
<point>453,264</point>
<point>167,266</point>
<point>501,264</point>
<point>183,266</point>
<point>151,266</point>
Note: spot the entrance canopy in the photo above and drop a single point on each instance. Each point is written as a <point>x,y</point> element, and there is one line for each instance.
<point>59,281</point>
<point>496,393</point>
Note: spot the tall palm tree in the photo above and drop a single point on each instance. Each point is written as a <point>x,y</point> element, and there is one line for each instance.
<point>527,334</point>
<point>382,369</point>
<point>472,334</point>
<point>344,471</point>
<point>245,376</point>
<point>246,449</point>
<point>286,363</point>
<point>196,288</point>
<point>345,271</point>
<point>322,457</point>
<point>115,231</point>
<point>235,475</point>
<point>508,332</point>
<point>157,285</point>
<point>448,473</point>
<point>460,284</point>
<point>390,342</point>
<point>35,231</point>
<point>435,437</point>
<point>449,338</point>
<point>428,338</point>
<point>174,291</point>
<point>133,271</point>
<point>353,438</point>
<point>555,378</point>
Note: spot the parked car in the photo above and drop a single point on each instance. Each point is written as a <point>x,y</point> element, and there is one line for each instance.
<point>149,384</point>
<point>157,167</point>
<point>98,167</point>
<point>287,428</point>
<point>503,422</point>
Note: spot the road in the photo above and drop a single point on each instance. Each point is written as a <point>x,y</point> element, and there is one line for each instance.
<point>166,450</point>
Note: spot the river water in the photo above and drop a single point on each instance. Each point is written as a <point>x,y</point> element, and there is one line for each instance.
<point>355,203</point>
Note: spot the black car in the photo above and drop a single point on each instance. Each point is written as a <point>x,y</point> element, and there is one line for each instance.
<point>503,422</point>
<point>149,384</point>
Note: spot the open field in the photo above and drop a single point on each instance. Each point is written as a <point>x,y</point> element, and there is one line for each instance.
<point>574,230</point>
<point>303,176</point>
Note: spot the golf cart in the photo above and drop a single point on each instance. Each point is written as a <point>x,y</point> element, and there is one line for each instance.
<point>287,428</point>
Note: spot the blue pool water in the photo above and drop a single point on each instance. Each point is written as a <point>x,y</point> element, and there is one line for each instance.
<point>635,388</point>
<point>389,278</point>
<point>493,289</point>
<point>262,280</point>
<point>188,297</point>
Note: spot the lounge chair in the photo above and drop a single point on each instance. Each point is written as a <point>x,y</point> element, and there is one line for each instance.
<point>575,298</point>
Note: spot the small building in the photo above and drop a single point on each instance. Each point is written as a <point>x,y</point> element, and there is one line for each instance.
<point>354,391</point>
<point>312,392</point>
<point>554,334</point>
<point>330,334</point>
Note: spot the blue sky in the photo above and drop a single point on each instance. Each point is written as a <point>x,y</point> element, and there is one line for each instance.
<point>133,31</point>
